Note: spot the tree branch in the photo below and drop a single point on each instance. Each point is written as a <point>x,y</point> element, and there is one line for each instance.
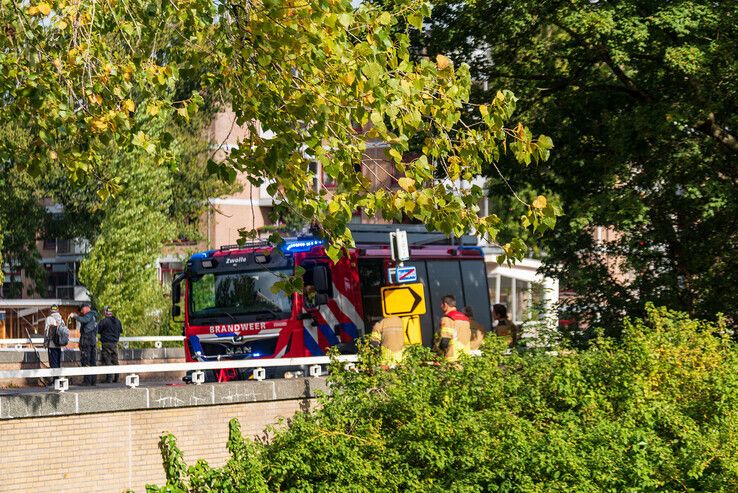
<point>616,69</point>
<point>612,87</point>
<point>620,74</point>
<point>710,127</point>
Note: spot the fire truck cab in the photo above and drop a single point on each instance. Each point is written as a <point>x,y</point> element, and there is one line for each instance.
<point>231,310</point>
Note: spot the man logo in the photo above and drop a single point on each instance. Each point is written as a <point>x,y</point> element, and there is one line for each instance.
<point>236,260</point>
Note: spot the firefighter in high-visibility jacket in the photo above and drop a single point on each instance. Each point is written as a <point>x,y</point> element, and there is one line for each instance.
<point>477,331</point>
<point>388,334</point>
<point>455,330</point>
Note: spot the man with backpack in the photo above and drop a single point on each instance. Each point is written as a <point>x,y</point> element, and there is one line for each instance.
<point>87,340</point>
<point>56,336</point>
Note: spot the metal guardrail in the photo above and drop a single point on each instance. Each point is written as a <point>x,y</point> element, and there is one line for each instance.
<point>21,344</point>
<point>61,382</point>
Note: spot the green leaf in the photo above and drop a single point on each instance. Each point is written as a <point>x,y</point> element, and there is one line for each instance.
<point>407,184</point>
<point>385,18</point>
<point>415,20</point>
<point>372,70</point>
<point>345,19</point>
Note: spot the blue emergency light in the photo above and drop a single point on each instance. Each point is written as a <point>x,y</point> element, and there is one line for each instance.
<point>201,255</point>
<point>300,246</point>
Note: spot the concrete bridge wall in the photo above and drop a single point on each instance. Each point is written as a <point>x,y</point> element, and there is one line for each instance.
<point>107,440</point>
<point>28,360</point>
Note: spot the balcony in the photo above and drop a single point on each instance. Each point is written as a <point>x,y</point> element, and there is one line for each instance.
<point>77,293</point>
<point>74,246</point>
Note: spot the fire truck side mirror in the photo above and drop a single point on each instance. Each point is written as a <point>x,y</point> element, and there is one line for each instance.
<point>321,299</point>
<point>177,288</point>
<point>176,295</point>
<point>320,279</point>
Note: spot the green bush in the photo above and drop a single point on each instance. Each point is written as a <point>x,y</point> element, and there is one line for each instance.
<point>655,411</point>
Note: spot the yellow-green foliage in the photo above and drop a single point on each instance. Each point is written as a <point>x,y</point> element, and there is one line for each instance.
<point>656,411</point>
<point>303,78</point>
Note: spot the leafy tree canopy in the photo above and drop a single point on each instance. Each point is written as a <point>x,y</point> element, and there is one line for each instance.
<point>120,269</point>
<point>185,184</point>
<point>640,98</point>
<point>71,78</point>
<point>21,215</point>
<point>312,81</point>
<point>656,411</point>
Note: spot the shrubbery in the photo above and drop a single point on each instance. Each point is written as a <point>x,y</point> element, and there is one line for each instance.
<point>654,411</point>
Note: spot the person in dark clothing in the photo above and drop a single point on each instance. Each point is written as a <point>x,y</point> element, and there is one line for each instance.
<point>87,340</point>
<point>504,328</point>
<point>109,329</point>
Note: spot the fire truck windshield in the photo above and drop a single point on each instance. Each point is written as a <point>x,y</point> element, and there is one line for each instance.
<point>239,293</point>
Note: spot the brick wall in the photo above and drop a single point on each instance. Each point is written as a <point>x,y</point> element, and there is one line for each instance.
<point>113,452</point>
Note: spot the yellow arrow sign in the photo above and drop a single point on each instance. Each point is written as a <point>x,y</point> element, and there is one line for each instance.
<point>403,299</point>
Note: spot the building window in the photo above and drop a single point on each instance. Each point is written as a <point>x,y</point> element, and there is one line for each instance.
<point>61,280</point>
<point>49,244</point>
<point>522,301</point>
<point>506,290</point>
<point>12,285</point>
<point>313,170</point>
<point>356,217</point>
<point>168,271</point>
<point>328,181</point>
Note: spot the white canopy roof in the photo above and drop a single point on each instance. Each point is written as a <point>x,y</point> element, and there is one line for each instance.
<point>37,303</point>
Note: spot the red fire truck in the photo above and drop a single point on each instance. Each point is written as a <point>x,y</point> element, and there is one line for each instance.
<point>231,312</point>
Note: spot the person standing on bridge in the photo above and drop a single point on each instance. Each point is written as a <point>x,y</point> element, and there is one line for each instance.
<point>87,340</point>
<point>455,330</point>
<point>53,322</point>
<point>109,329</point>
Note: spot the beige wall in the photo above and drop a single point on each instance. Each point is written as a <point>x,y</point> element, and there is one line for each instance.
<point>224,129</point>
<point>381,172</point>
<point>228,218</point>
<point>604,235</point>
<point>246,209</point>
<point>113,452</point>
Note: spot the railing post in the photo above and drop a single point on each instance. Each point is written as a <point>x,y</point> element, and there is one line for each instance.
<point>316,371</point>
<point>61,384</point>
<point>259,374</point>
<point>198,377</point>
<point>132,380</point>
